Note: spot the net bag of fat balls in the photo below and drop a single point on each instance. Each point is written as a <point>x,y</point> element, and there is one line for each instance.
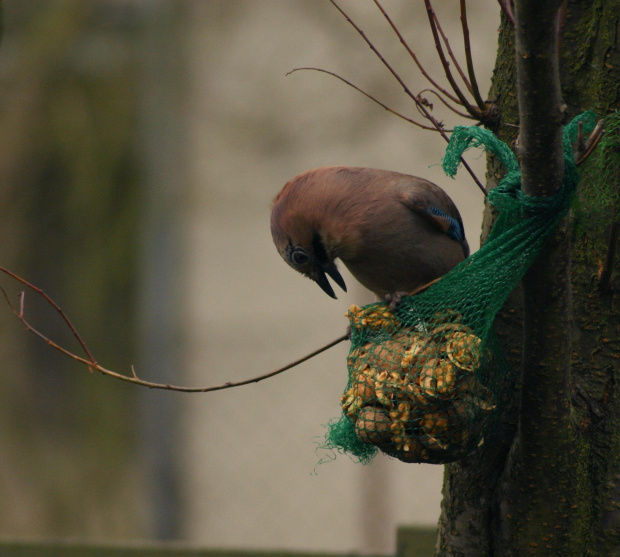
<point>426,380</point>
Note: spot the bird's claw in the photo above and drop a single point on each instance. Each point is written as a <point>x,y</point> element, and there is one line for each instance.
<point>394,299</point>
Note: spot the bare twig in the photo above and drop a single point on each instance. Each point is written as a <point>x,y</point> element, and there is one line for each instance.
<point>444,102</point>
<point>390,68</point>
<point>469,60</point>
<point>561,24</point>
<point>374,99</point>
<point>586,149</point>
<point>436,30</point>
<point>415,58</point>
<point>20,315</point>
<point>133,378</point>
<point>448,48</point>
<point>56,308</point>
<point>506,6</point>
<point>419,104</point>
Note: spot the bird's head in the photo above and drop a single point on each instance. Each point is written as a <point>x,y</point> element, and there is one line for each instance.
<point>310,258</point>
<point>301,243</point>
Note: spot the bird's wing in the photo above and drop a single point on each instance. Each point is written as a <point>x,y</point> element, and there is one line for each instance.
<point>434,205</point>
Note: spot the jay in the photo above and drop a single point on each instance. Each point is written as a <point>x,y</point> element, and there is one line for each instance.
<point>394,232</point>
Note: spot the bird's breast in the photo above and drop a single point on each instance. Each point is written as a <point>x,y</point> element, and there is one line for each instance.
<point>403,264</point>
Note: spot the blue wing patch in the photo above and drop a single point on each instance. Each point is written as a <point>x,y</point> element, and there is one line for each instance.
<point>451,226</point>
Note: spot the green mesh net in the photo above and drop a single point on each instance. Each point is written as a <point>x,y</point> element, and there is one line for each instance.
<point>426,380</point>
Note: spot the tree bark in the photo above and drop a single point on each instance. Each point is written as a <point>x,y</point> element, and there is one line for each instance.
<point>536,471</point>
<point>546,483</point>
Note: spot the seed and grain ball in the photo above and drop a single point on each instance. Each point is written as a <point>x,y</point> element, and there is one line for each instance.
<point>373,426</point>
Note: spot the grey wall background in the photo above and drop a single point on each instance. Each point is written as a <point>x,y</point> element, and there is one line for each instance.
<point>143,142</point>
<point>250,453</point>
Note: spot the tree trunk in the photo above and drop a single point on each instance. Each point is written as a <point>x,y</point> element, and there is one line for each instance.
<point>547,481</point>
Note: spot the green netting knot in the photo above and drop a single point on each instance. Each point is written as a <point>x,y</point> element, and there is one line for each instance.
<point>341,437</point>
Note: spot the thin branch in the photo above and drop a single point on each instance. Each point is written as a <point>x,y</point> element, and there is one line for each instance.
<point>506,6</point>
<point>469,60</point>
<point>133,378</point>
<point>436,30</point>
<point>561,24</point>
<point>389,67</point>
<point>474,177</point>
<point>368,95</point>
<point>445,103</point>
<point>58,310</point>
<point>415,58</point>
<point>585,150</point>
<point>449,49</point>
<point>417,101</point>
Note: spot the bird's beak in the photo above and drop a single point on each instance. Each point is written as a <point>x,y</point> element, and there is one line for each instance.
<point>320,278</point>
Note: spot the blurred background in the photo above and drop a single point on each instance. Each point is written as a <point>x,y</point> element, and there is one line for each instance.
<point>142,143</point>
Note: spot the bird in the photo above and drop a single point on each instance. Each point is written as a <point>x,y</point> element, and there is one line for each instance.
<point>394,232</point>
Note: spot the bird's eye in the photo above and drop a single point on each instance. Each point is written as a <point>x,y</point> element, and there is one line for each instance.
<point>299,257</point>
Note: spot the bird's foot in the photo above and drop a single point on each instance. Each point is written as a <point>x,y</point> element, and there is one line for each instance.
<point>393,299</point>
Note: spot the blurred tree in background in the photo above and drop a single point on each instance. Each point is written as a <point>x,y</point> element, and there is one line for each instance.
<point>70,176</point>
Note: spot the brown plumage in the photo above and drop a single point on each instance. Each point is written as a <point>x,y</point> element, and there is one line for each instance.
<point>394,232</point>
